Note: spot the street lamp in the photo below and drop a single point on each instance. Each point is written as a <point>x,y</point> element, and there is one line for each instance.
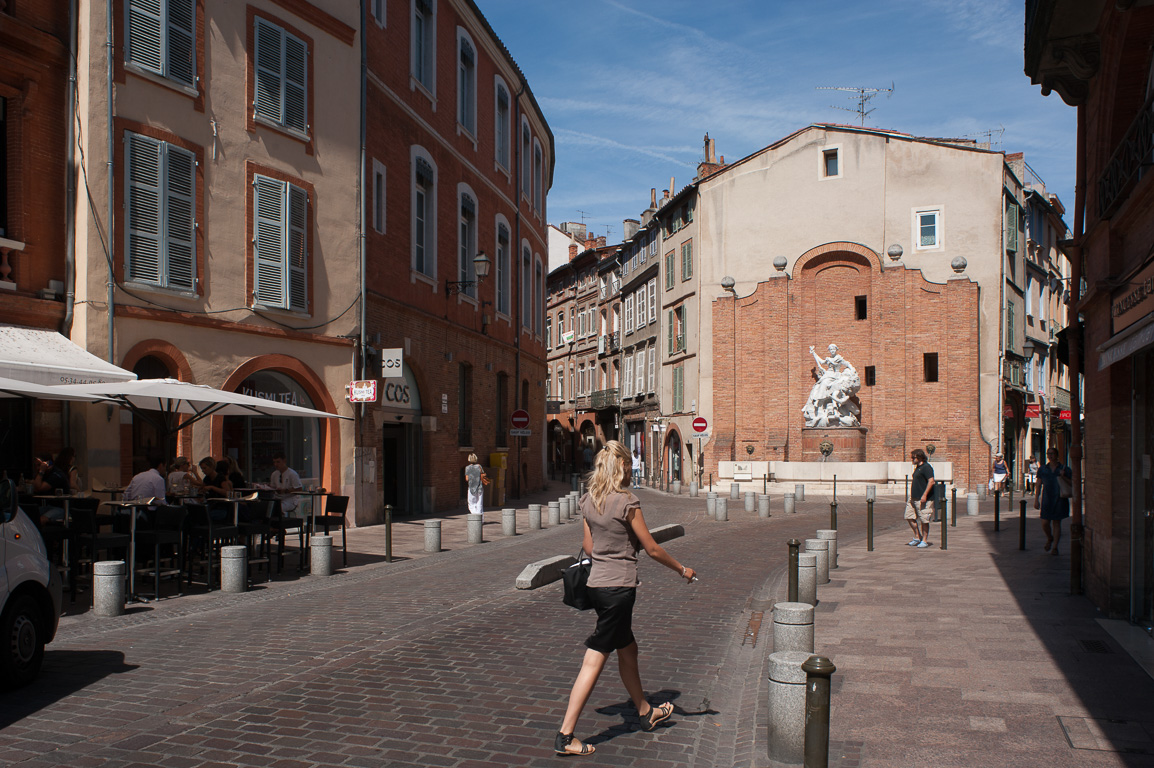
<point>728,284</point>
<point>481,266</point>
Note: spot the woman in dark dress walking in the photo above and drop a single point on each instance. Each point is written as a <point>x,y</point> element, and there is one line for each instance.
<point>1048,498</point>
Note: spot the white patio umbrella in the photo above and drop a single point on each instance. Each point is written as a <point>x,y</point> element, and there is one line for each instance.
<point>12,388</point>
<point>170,397</point>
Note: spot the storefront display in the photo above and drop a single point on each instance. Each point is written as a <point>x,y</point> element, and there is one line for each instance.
<point>254,440</point>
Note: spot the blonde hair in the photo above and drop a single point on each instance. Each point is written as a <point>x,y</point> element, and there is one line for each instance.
<point>612,472</point>
<point>472,458</point>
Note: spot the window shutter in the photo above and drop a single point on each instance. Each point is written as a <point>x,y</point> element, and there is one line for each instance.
<point>640,365</point>
<point>653,300</point>
<point>181,57</point>
<point>296,84</point>
<point>687,260</point>
<point>144,208</point>
<point>267,100</point>
<point>298,207</point>
<point>180,217</point>
<point>671,331</point>
<point>268,242</point>
<point>144,35</point>
<point>652,365</point>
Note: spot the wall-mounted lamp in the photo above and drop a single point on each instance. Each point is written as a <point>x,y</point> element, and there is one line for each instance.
<point>481,266</point>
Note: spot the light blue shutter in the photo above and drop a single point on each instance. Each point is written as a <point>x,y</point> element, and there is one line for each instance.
<point>181,59</point>
<point>267,99</point>
<point>295,84</point>
<point>180,217</point>
<point>298,252</point>
<point>671,331</point>
<point>144,35</point>
<point>268,242</point>
<point>144,208</point>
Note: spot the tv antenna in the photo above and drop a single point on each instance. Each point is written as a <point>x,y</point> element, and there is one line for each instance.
<point>862,110</point>
<point>584,215</point>
<point>993,136</point>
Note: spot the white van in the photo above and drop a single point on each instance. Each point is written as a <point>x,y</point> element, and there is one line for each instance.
<point>30,593</point>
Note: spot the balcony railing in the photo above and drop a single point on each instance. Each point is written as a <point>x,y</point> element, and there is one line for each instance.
<point>605,398</point>
<point>1126,166</point>
<point>1062,398</point>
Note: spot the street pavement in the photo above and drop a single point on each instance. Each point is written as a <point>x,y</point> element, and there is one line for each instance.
<point>971,656</point>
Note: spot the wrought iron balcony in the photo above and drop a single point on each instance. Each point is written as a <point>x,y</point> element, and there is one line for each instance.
<point>605,398</point>
<point>1131,159</point>
<point>1062,398</point>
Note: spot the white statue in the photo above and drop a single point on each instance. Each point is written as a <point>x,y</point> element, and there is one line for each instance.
<point>830,403</point>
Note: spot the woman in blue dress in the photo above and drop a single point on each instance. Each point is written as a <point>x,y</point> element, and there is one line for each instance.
<point>1048,498</point>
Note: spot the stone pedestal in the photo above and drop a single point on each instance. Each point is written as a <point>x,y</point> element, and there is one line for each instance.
<point>830,535</point>
<point>750,500</point>
<point>849,443</point>
<point>475,529</point>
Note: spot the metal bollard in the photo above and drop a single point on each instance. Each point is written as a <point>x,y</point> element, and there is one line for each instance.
<point>833,515</point>
<point>433,534</point>
<point>954,508</point>
<point>945,531</point>
<point>321,563</point>
<point>476,532</point>
<point>722,510</point>
<point>870,525</point>
<point>830,536</point>
<point>234,568</point>
<point>799,492</point>
<point>818,671</point>
<point>763,505</point>
<point>735,491</point>
<point>534,517</point>
<point>508,522</point>
<point>1022,527</point>
<point>835,489</point>
<point>793,555</point>
<point>790,503</point>
<point>820,547</point>
<point>807,578</point>
<point>554,513</point>
<point>997,510</point>
<point>711,481</point>
<point>750,501</point>
<point>388,533</point>
<point>711,504</point>
<point>108,587</point>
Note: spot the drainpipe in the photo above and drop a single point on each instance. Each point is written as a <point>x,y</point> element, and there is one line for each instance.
<point>111,220</point>
<point>70,179</point>
<point>517,260</point>
<point>362,255</point>
<point>1075,366</point>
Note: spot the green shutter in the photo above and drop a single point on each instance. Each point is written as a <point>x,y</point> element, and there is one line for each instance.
<point>671,331</point>
<point>669,270</point>
<point>687,260</point>
<point>180,218</point>
<point>144,209</point>
<point>268,242</point>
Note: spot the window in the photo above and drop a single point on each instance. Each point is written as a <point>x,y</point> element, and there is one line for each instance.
<point>829,164</point>
<point>281,81</point>
<point>1011,226</point>
<point>526,287</point>
<point>687,260</point>
<point>581,379</point>
<point>280,244</point>
<point>678,388</point>
<point>467,244</point>
<point>1011,331</point>
<point>378,11</point>
<point>927,233</point>
<point>3,166</point>
<point>501,134</point>
<point>501,436</point>
<point>572,382</point>
<point>538,166</point>
<point>161,192</point>
<point>870,376</point>
<point>653,300</point>
<point>424,217</point>
<point>464,404</point>
<point>548,332</point>
<point>861,307</point>
<point>561,382</point>
<point>627,379</point>
<point>669,274</point>
<point>526,150</point>
<point>642,307</point>
<point>652,367</point>
<point>503,273</point>
<point>930,366</point>
<point>378,197</point>
<point>677,330</point>
<point>538,295</point>
<point>629,313</point>
<point>466,84</point>
<point>162,38</point>
<point>424,43</point>
<point>640,368</point>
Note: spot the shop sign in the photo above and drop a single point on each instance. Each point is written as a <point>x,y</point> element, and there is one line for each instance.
<point>399,392</point>
<point>1134,300</point>
<point>393,363</point>
<point>1007,411</point>
<point>361,391</point>
<point>1033,411</point>
<point>1065,415</point>
<point>552,406</point>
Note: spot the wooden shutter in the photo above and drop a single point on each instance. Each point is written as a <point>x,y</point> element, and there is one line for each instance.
<point>687,260</point>
<point>267,101</point>
<point>144,208</point>
<point>298,252</point>
<point>268,242</point>
<point>295,84</point>
<point>671,331</point>
<point>180,217</point>
<point>145,31</point>
<point>181,53</point>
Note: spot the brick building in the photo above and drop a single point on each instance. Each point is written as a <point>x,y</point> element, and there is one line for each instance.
<point>459,159</point>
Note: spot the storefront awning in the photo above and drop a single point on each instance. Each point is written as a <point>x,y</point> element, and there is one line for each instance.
<point>1138,336</point>
<point>45,357</point>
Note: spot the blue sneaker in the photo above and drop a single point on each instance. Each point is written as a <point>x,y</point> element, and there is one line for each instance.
<point>923,544</point>
<point>913,542</point>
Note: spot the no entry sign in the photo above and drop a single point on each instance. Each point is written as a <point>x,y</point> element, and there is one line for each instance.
<point>519,419</point>
<point>700,424</point>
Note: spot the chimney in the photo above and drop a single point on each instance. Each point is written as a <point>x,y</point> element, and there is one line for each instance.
<point>572,251</point>
<point>653,198</point>
<point>630,227</point>
<point>601,241</point>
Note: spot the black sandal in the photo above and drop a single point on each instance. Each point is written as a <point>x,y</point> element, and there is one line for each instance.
<point>656,715</point>
<point>561,745</point>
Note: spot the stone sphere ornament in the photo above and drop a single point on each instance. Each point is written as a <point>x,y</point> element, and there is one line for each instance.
<point>894,251</point>
<point>959,264</point>
<point>779,263</point>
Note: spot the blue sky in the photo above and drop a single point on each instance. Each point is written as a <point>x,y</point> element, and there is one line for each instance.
<point>630,87</point>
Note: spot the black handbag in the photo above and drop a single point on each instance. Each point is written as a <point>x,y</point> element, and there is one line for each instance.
<point>576,579</point>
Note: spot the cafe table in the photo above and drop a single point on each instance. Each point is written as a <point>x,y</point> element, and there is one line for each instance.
<point>132,506</point>
<point>112,492</point>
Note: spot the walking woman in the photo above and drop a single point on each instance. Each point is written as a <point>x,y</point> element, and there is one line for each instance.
<point>614,530</point>
<point>475,476</point>
<point>1048,498</point>
<point>1000,471</point>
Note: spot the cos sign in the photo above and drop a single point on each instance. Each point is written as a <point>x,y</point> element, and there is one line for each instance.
<point>397,392</point>
<point>393,363</point>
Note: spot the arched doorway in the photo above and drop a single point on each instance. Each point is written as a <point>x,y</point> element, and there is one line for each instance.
<point>254,440</point>
<point>673,456</point>
<point>157,430</point>
<point>398,414</point>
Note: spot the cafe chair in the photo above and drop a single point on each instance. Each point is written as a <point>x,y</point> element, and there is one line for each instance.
<point>202,530</point>
<point>255,528</point>
<point>282,525</point>
<point>165,528</point>
<point>87,538</point>
<point>334,515</point>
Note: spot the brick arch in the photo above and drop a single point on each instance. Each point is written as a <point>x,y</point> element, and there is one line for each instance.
<point>177,363</point>
<point>312,384</point>
<point>671,431</point>
<point>822,254</point>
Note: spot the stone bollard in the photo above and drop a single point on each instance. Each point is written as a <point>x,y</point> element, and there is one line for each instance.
<point>564,502</point>
<point>972,504</point>
<point>476,529</point>
<point>234,568</point>
<point>676,487</point>
<point>735,491</point>
<point>534,517</point>
<point>321,563</point>
<point>799,492</point>
<point>509,522</point>
<point>573,480</point>
<point>763,505</point>
<point>750,501</point>
<point>790,504</point>
<point>830,536</point>
<point>807,578</point>
<point>433,534</point>
<point>108,587</point>
<point>693,489</point>
<point>983,492</point>
<point>787,685</point>
<point>554,513</point>
<point>793,627</point>
<point>711,504</point>
<point>820,547</point>
<point>722,510</point>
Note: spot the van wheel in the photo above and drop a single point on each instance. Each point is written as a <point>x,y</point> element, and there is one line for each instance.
<point>21,642</point>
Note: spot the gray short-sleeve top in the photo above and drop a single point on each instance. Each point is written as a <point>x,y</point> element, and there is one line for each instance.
<point>614,544</point>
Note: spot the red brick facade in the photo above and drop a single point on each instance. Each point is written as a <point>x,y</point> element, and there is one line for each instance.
<point>906,317</point>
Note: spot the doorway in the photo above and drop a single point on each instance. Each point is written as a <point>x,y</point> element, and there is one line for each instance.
<point>401,467</point>
<point>1142,495</point>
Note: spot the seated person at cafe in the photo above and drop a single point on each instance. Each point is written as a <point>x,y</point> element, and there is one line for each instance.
<point>149,484</point>
<point>215,482</point>
<point>57,475</point>
<point>285,479</point>
<point>183,477</point>
<point>234,475</point>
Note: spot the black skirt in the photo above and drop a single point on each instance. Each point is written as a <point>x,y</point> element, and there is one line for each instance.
<point>614,606</point>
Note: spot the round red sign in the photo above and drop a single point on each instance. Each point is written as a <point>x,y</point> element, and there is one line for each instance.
<point>700,424</point>
<point>520,419</point>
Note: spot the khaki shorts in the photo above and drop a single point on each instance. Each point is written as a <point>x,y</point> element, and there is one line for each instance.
<point>921,515</point>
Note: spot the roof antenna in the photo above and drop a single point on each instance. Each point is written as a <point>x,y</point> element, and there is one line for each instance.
<point>989,135</point>
<point>863,98</point>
